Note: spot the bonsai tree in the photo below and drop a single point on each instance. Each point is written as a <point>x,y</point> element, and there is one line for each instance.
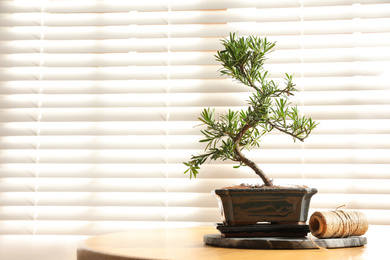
<point>228,134</point>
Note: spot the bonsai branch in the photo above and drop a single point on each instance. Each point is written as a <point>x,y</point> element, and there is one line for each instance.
<point>283,130</point>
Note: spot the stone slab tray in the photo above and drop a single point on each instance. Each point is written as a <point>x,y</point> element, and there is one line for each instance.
<point>282,242</point>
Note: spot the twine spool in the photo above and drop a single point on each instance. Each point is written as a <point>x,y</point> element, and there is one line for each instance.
<point>338,223</point>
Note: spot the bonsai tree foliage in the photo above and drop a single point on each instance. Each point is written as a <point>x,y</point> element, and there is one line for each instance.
<point>228,134</point>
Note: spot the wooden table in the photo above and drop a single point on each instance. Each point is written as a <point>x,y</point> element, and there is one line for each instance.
<point>188,244</point>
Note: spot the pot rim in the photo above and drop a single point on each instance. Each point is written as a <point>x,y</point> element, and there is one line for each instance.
<point>272,190</point>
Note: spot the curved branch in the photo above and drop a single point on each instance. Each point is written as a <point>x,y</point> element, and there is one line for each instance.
<point>285,131</point>
<point>251,84</point>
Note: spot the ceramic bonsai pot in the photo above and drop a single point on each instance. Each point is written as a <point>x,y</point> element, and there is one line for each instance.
<point>277,206</point>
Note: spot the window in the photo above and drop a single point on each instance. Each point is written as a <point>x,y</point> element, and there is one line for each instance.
<point>99,100</point>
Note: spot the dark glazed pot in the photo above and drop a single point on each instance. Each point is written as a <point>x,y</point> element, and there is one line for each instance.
<point>249,206</point>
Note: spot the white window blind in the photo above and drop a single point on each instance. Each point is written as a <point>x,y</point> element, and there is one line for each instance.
<point>99,100</point>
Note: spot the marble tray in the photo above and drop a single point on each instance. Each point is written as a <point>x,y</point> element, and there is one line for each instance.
<point>282,242</point>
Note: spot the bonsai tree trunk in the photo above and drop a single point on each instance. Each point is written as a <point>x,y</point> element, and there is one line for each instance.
<point>254,167</point>
<point>241,158</point>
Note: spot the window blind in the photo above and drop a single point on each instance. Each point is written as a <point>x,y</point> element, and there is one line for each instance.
<point>99,100</point>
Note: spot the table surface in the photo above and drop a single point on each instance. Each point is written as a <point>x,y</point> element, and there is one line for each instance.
<point>188,244</point>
